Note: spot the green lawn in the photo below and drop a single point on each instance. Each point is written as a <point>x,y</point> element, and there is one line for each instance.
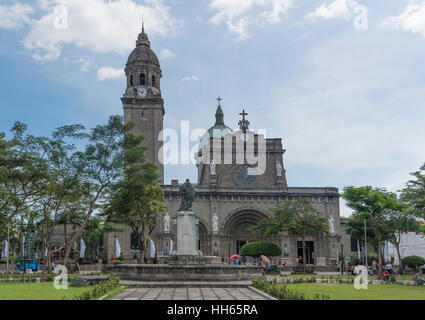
<point>346,291</point>
<point>36,291</point>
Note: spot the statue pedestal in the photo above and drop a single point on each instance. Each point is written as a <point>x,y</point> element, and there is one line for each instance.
<point>186,234</point>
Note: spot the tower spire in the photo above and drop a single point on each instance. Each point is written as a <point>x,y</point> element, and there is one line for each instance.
<point>219,114</point>
<point>143,37</point>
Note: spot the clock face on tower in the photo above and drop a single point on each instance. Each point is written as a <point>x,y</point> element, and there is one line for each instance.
<point>142,92</point>
<point>242,177</point>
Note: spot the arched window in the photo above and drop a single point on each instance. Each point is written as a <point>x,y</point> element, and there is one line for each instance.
<point>142,79</point>
<point>131,81</point>
<point>153,81</point>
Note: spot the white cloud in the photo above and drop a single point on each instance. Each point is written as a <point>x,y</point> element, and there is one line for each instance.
<point>412,19</point>
<point>190,78</point>
<point>14,16</point>
<point>85,64</point>
<point>338,9</point>
<point>97,25</point>
<point>108,73</point>
<point>239,14</point>
<point>166,54</point>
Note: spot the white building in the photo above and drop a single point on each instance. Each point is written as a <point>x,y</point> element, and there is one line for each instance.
<point>411,244</point>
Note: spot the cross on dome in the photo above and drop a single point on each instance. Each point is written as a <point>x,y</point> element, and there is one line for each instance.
<point>219,101</point>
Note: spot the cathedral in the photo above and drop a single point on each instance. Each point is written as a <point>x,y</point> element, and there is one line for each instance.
<point>232,191</point>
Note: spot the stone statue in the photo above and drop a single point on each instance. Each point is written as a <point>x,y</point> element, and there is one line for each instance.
<point>279,168</point>
<point>215,222</point>
<point>286,251</point>
<point>167,223</point>
<point>188,195</point>
<point>212,168</point>
<point>331,224</point>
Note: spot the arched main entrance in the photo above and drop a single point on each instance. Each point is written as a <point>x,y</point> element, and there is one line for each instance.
<point>236,231</point>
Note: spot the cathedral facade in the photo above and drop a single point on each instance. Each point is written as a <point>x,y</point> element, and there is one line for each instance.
<point>232,191</point>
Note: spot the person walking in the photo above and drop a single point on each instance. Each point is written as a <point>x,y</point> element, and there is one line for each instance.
<point>389,268</point>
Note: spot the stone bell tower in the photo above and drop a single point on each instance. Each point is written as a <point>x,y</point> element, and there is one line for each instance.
<point>142,101</point>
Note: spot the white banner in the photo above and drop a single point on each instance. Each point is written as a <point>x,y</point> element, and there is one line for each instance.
<point>152,248</point>
<point>82,248</point>
<point>171,247</point>
<point>386,253</point>
<point>117,249</point>
<point>358,249</point>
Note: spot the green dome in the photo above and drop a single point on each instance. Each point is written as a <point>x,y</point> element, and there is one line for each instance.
<point>219,130</point>
<point>216,131</point>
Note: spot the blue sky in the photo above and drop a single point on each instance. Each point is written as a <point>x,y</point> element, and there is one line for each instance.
<point>347,101</point>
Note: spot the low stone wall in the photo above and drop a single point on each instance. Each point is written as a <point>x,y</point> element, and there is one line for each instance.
<point>333,280</point>
<point>165,272</point>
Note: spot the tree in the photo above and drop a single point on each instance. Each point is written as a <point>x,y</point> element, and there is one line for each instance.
<point>62,190</point>
<point>99,166</point>
<point>414,262</point>
<point>93,234</point>
<point>137,199</point>
<point>414,192</point>
<point>373,204</point>
<point>295,218</point>
<point>23,171</point>
<point>355,227</point>
<point>257,248</point>
<point>400,221</point>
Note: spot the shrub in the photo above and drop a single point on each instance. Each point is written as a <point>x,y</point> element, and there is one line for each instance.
<point>99,290</point>
<point>281,291</point>
<point>257,248</point>
<point>413,262</point>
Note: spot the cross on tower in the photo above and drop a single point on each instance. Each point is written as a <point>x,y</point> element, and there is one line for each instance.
<point>243,114</point>
<point>219,101</point>
<point>243,124</point>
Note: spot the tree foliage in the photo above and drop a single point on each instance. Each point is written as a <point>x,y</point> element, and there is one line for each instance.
<point>137,199</point>
<point>414,262</point>
<point>414,192</point>
<point>257,248</point>
<point>294,218</point>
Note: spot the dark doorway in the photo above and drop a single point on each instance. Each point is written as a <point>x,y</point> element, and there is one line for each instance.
<point>239,245</point>
<point>309,251</point>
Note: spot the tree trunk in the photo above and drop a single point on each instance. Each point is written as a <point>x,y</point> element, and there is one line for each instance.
<point>81,228</point>
<point>380,255</point>
<point>45,262</point>
<point>304,256</point>
<point>400,263</point>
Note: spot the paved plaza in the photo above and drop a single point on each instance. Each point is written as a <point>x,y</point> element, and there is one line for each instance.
<point>189,294</point>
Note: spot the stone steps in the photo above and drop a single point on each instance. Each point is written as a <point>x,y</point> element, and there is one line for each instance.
<point>185,284</point>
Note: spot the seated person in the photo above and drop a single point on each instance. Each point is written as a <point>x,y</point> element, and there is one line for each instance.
<point>385,275</point>
<point>419,279</point>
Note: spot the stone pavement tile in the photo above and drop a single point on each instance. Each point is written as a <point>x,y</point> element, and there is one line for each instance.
<point>189,294</point>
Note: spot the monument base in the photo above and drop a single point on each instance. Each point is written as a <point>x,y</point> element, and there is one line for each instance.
<point>167,272</point>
